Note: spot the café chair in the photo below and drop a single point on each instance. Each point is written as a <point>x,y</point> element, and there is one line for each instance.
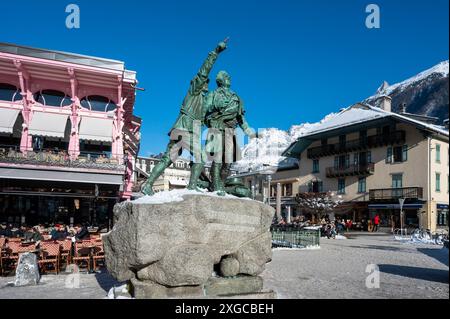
<point>50,256</point>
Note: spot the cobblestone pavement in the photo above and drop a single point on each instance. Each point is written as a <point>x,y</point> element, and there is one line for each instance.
<point>336,270</point>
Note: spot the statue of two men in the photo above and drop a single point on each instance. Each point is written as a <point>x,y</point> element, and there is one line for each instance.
<point>221,111</point>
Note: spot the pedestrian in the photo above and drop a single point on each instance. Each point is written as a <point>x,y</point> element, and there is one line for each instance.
<point>376,222</point>
<point>328,231</point>
<point>349,224</point>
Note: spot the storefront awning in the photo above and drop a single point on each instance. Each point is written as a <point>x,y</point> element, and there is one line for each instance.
<point>96,129</point>
<point>395,206</point>
<point>7,119</point>
<point>48,124</point>
<point>46,175</point>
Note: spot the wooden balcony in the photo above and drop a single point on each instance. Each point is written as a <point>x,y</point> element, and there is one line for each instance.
<point>352,170</point>
<point>396,137</point>
<point>396,193</point>
<point>60,159</point>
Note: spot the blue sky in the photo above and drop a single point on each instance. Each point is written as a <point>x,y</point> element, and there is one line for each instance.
<point>291,61</point>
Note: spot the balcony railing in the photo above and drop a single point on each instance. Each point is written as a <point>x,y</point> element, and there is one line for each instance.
<point>60,159</point>
<point>352,170</point>
<point>396,137</point>
<point>396,193</point>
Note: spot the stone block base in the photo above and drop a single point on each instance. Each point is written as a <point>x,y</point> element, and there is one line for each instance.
<point>217,286</point>
<point>150,290</point>
<point>241,287</point>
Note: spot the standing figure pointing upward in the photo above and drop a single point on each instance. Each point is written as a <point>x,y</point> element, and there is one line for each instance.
<point>182,132</point>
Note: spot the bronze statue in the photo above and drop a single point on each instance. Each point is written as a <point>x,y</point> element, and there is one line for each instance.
<point>182,133</point>
<point>225,112</point>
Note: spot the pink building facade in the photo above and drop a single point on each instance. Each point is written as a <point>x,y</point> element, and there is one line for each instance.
<point>66,128</point>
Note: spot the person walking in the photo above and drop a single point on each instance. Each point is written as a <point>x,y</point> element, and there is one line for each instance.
<point>376,222</point>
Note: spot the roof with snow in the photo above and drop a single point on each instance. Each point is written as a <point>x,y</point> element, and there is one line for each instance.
<point>355,115</point>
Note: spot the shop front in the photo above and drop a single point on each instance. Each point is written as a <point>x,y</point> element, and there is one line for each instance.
<point>33,202</point>
<point>442,216</point>
<point>390,214</point>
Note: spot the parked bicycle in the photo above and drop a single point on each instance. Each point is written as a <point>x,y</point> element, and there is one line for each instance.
<point>426,236</point>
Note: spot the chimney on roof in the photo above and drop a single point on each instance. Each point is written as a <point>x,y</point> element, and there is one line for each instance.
<point>385,103</point>
<point>402,108</point>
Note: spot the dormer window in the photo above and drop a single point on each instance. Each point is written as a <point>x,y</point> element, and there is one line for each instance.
<point>98,103</point>
<point>52,98</point>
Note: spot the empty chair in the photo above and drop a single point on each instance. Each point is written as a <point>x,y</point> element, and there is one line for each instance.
<point>66,251</point>
<point>50,256</point>
<point>82,254</point>
<point>99,254</point>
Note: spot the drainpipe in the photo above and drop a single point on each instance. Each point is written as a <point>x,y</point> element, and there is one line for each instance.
<point>429,182</point>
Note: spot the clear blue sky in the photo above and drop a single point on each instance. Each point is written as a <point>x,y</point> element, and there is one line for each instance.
<point>291,61</point>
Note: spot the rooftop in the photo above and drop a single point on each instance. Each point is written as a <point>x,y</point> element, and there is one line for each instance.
<point>68,58</point>
<point>360,113</point>
<point>357,114</point>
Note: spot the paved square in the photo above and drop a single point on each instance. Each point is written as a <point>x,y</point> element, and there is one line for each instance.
<point>336,270</point>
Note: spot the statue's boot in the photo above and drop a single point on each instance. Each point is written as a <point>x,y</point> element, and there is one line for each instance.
<point>196,170</point>
<point>217,179</point>
<point>147,188</point>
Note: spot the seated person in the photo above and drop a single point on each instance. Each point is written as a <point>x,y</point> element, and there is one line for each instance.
<point>59,232</point>
<point>33,234</point>
<point>81,232</point>
<point>19,231</point>
<point>5,231</point>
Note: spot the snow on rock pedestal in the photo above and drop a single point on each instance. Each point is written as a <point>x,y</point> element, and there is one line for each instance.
<point>27,271</point>
<point>170,244</point>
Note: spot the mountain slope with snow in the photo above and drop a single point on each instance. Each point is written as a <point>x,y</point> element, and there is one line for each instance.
<point>424,94</point>
<point>267,149</point>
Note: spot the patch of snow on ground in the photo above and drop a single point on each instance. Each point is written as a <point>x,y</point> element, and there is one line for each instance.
<point>114,292</point>
<point>176,195</point>
<point>312,227</point>
<point>340,237</point>
<point>316,247</point>
<point>416,240</point>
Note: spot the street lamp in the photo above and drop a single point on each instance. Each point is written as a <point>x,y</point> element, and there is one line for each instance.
<point>268,170</point>
<point>402,202</point>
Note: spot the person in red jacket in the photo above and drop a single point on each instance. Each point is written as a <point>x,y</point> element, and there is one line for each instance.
<point>376,222</point>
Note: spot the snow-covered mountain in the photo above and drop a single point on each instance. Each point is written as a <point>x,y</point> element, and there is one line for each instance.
<point>267,149</point>
<point>426,94</point>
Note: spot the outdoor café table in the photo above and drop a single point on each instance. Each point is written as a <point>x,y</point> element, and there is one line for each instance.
<point>28,242</point>
<point>36,251</point>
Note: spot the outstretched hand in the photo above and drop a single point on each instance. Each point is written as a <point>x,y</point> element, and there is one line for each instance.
<point>222,46</point>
